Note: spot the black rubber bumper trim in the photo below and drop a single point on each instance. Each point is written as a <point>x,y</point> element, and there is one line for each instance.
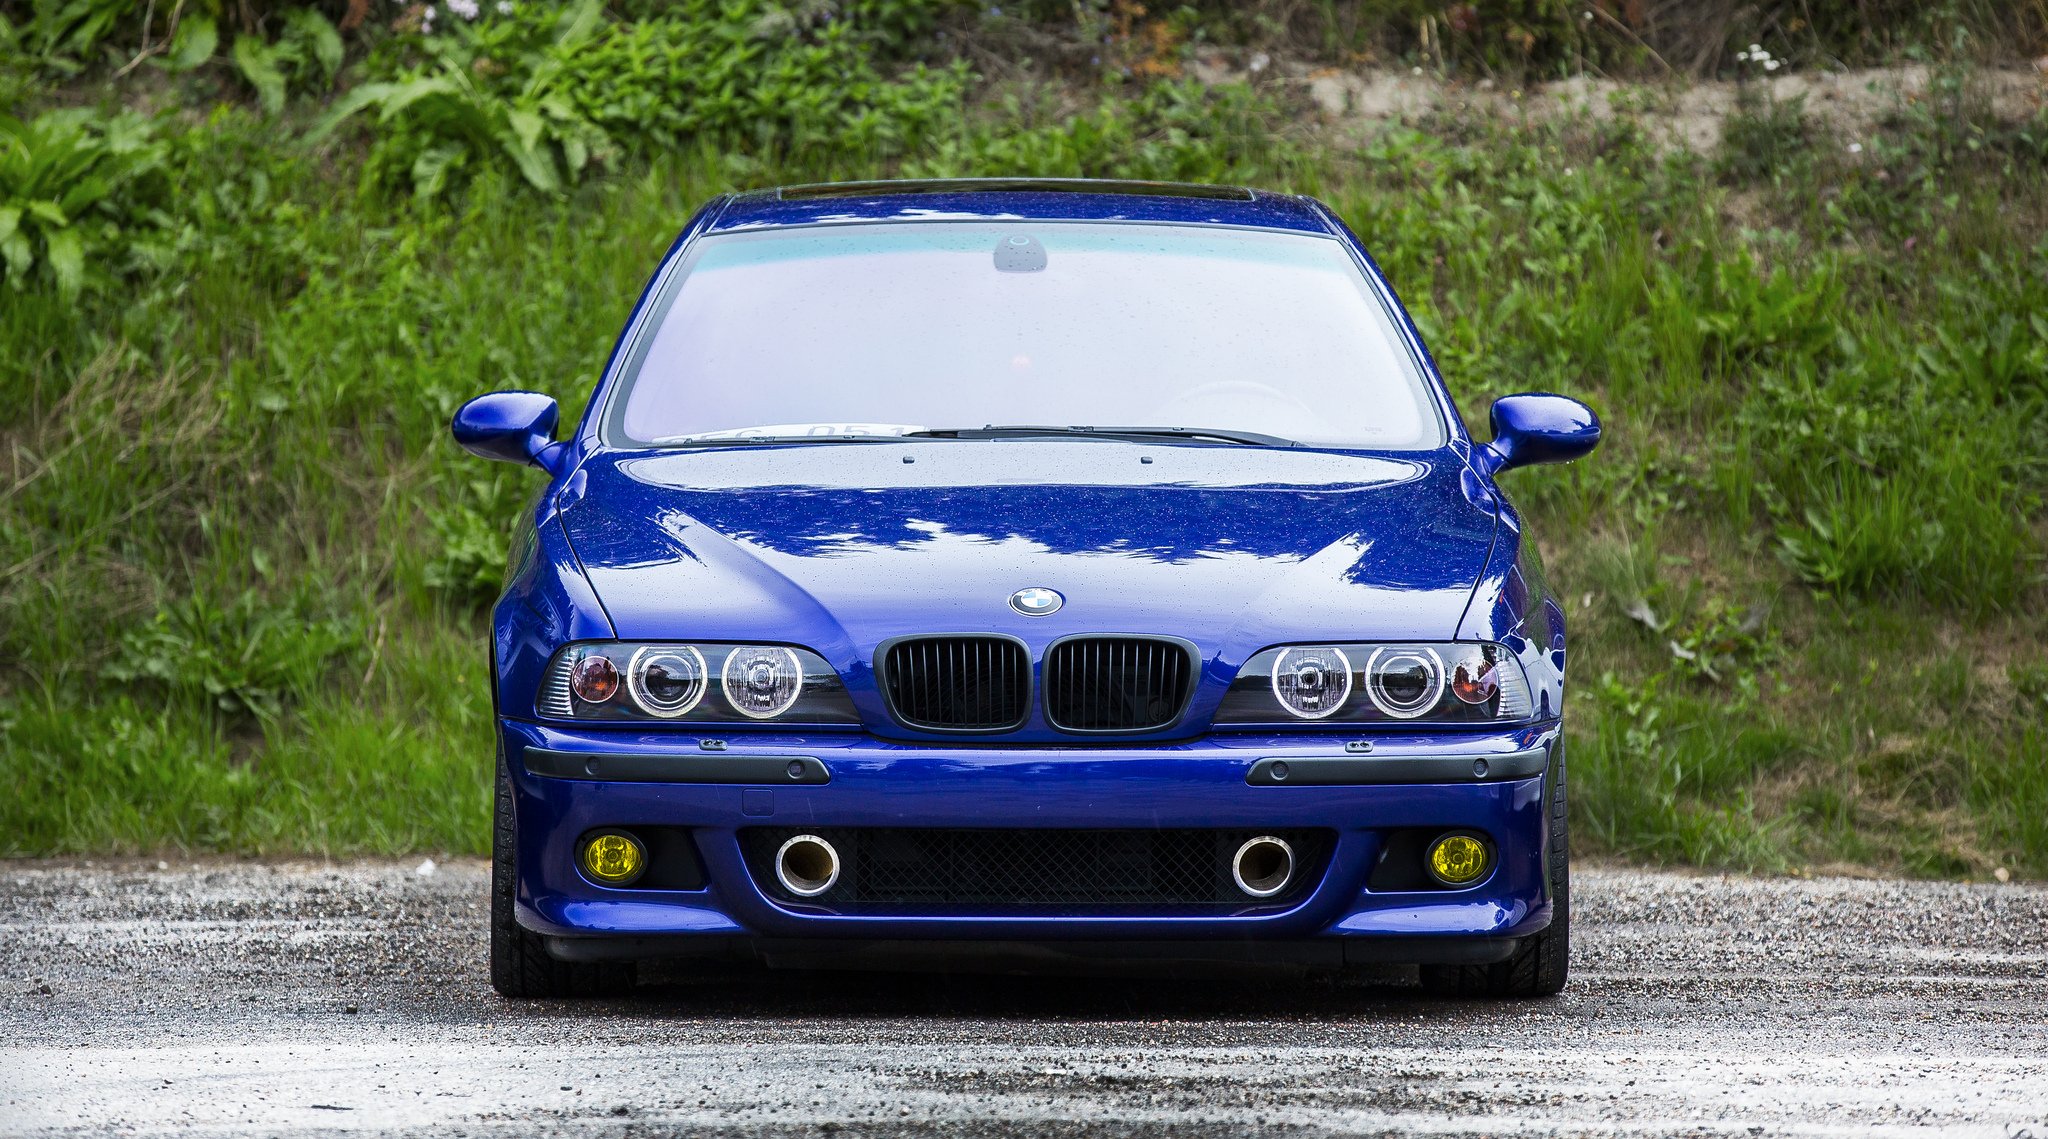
<point>631,767</point>
<point>1334,771</point>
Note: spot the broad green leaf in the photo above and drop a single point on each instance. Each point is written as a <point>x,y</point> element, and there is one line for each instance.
<point>19,255</point>
<point>526,126</point>
<point>10,221</point>
<point>536,164</point>
<point>257,62</point>
<point>195,41</point>
<point>578,23</point>
<point>50,212</point>
<point>66,251</point>
<point>367,95</point>
<point>430,169</point>
<point>399,96</point>
<point>129,134</point>
<point>84,193</point>
<point>314,30</point>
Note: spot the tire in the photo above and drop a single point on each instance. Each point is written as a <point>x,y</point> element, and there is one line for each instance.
<point>1542,963</point>
<point>520,964</point>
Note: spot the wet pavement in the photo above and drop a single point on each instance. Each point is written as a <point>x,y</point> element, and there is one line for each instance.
<point>302,999</point>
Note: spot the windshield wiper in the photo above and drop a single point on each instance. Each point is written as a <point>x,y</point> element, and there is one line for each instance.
<point>778,440</point>
<point>1017,430</point>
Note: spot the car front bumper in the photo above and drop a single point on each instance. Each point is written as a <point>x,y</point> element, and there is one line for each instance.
<point>566,784</point>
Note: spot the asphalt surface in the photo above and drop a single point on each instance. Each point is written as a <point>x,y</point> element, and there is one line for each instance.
<point>313,999</point>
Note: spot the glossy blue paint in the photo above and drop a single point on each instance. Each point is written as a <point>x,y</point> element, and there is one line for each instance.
<point>877,783</point>
<point>1536,427</point>
<point>513,427</point>
<point>965,199</point>
<point>842,547</point>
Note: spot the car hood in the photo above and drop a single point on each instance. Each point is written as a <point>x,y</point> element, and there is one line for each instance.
<point>843,546</point>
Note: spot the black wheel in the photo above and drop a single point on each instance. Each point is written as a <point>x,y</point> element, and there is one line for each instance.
<point>1541,965</point>
<point>520,964</point>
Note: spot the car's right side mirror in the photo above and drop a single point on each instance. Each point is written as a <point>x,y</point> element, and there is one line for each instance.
<point>512,427</point>
<point>1537,427</point>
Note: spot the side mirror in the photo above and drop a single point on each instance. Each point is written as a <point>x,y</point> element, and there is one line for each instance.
<point>1536,427</point>
<point>514,427</point>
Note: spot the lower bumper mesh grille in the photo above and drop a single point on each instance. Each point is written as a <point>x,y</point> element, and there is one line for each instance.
<point>899,869</point>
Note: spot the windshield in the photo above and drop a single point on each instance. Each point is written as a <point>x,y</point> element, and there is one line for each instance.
<point>889,329</point>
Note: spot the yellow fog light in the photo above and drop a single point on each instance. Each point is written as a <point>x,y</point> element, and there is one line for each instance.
<point>1459,859</point>
<point>613,858</point>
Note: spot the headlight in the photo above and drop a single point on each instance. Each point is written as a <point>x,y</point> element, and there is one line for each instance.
<point>692,683</point>
<point>1312,682</point>
<point>762,681</point>
<point>1404,682</point>
<point>665,682</point>
<point>1420,683</point>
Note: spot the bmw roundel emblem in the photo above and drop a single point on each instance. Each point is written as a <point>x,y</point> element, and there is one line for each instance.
<point>1037,601</point>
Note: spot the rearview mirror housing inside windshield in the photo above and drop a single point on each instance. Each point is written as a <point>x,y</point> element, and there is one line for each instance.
<point>512,427</point>
<point>1537,427</point>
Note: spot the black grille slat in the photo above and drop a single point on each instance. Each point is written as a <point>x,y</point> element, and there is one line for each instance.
<point>1116,684</point>
<point>957,684</point>
<point>911,869</point>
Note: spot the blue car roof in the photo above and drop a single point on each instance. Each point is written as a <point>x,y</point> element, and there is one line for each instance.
<point>1037,199</point>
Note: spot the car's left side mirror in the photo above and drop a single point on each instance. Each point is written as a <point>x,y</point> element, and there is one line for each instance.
<point>513,427</point>
<point>1537,427</point>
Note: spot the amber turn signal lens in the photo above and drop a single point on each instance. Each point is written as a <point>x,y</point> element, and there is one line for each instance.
<point>1473,681</point>
<point>594,679</point>
<point>613,858</point>
<point>1458,859</point>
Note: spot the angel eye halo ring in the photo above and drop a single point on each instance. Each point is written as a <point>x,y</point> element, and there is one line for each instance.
<point>1404,682</point>
<point>667,681</point>
<point>1312,682</point>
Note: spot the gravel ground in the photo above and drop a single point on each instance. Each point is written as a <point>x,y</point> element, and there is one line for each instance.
<point>330,999</point>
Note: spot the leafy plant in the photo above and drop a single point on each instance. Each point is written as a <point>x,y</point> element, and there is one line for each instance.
<point>192,44</point>
<point>552,92</point>
<point>1765,135</point>
<point>307,55</point>
<point>17,68</point>
<point>470,565</point>
<point>66,193</point>
<point>1172,130</point>
<point>249,656</point>
<point>462,107</point>
<point>61,33</point>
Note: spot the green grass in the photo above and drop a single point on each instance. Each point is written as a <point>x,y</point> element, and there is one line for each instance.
<point>243,573</point>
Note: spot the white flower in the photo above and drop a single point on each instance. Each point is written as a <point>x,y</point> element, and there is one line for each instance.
<point>1259,62</point>
<point>1742,57</point>
<point>1754,48</point>
<point>1418,71</point>
<point>1770,65</point>
<point>467,9</point>
<point>1855,148</point>
<point>504,7</point>
<point>1587,16</point>
<point>427,20</point>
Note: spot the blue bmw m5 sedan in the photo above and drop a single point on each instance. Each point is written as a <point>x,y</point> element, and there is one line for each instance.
<point>1024,573</point>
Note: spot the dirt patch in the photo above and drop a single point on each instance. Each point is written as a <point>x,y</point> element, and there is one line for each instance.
<point>1849,104</point>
